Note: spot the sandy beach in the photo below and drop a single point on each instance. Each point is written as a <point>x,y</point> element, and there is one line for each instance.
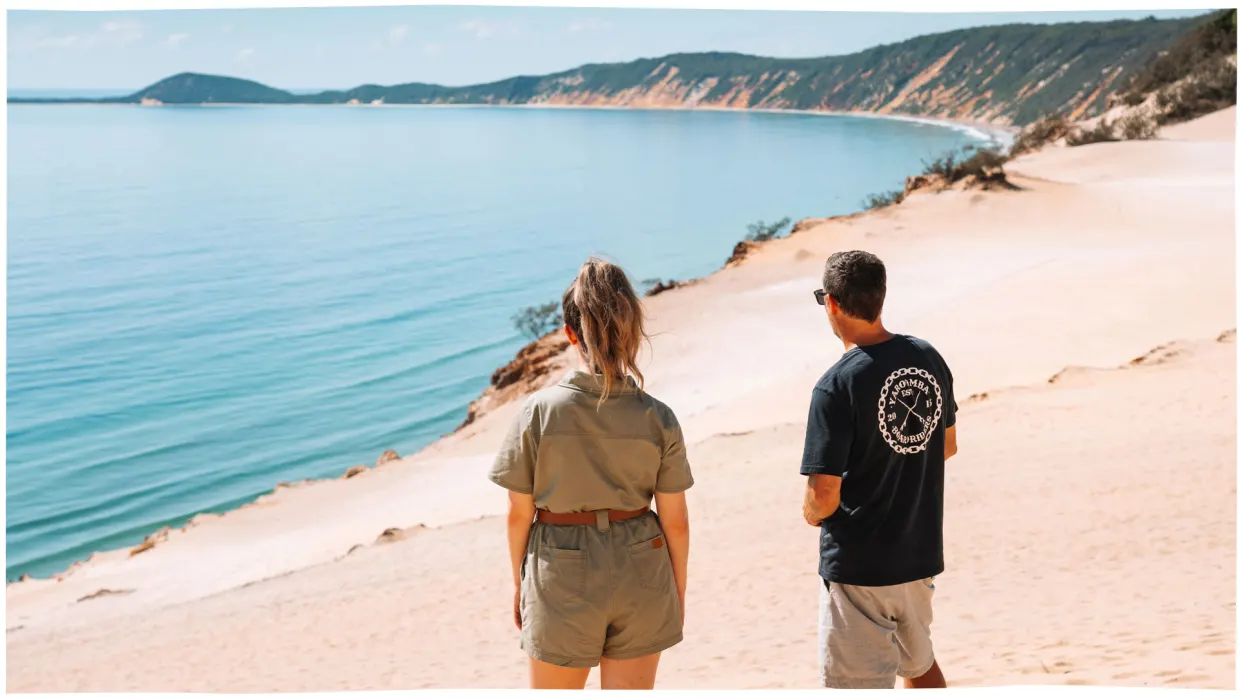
<point>1089,319</point>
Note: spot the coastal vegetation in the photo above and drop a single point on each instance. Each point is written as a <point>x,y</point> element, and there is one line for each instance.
<point>883,200</point>
<point>1101,132</point>
<point>1211,89</point>
<point>762,231</point>
<point>1009,74</point>
<point>1048,129</point>
<point>538,320</point>
<point>984,164</point>
<point>1195,76</point>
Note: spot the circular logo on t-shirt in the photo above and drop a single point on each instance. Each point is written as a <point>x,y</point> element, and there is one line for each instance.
<point>909,408</point>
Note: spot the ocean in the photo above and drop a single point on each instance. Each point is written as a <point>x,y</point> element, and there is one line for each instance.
<point>206,301</point>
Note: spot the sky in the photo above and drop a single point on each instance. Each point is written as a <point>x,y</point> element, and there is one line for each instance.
<point>333,48</point>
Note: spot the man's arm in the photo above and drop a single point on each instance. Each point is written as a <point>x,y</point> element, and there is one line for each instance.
<point>828,442</point>
<point>822,498</point>
<point>949,443</point>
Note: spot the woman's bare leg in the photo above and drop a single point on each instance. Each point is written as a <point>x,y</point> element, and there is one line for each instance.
<point>544,675</point>
<point>629,674</point>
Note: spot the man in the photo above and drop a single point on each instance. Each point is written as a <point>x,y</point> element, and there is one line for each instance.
<point>882,421</point>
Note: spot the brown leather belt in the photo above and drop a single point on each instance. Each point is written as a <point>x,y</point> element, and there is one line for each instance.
<point>586,518</point>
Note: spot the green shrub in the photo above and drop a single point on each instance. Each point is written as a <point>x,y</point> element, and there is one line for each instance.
<point>761,231</point>
<point>1195,53</point>
<point>1211,89</point>
<point>985,163</point>
<point>1048,129</point>
<point>538,320</point>
<point>884,199</point>
<point>943,165</point>
<point>1138,127</point>
<point>1103,132</point>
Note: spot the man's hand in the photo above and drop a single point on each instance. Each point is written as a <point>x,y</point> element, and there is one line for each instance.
<point>807,509</point>
<point>822,498</point>
<point>516,608</point>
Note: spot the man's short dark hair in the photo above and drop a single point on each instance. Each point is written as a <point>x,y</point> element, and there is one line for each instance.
<point>858,282</point>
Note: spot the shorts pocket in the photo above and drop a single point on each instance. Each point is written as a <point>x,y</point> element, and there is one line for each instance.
<point>652,562</point>
<point>561,574</point>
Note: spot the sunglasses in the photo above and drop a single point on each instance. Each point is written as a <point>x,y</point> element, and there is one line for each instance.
<point>820,296</point>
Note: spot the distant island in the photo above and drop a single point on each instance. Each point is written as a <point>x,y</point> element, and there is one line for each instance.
<point>1005,75</point>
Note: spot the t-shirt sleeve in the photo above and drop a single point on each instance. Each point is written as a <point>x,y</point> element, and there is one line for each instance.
<point>828,432</point>
<point>949,398</point>
<point>514,463</point>
<point>674,473</point>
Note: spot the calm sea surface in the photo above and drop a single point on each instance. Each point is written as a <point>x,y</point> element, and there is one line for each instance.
<point>203,302</point>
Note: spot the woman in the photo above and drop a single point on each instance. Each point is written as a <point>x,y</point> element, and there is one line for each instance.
<point>600,579</point>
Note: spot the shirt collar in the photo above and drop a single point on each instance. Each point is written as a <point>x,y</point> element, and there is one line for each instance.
<point>593,383</point>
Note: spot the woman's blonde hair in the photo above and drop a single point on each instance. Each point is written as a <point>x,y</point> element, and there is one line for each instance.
<point>603,310</point>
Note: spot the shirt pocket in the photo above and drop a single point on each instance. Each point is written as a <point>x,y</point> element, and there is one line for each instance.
<point>652,562</point>
<point>560,574</point>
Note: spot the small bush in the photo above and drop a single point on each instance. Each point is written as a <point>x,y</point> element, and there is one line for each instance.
<point>1212,89</point>
<point>538,320</point>
<point>1048,129</point>
<point>761,231</point>
<point>981,164</point>
<point>1133,99</point>
<point>1138,127</point>
<point>985,163</point>
<point>1193,54</point>
<point>944,166</point>
<point>1103,132</point>
<point>884,199</point>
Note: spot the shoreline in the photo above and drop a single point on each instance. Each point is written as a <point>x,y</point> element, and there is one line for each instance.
<point>193,519</point>
<point>980,130</point>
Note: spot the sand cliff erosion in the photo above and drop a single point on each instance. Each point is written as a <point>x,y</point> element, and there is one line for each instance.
<point>533,367</point>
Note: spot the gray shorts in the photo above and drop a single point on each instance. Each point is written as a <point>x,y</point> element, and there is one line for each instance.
<point>588,593</point>
<point>867,636</point>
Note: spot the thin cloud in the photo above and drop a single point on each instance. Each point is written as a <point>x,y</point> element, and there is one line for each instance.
<point>175,40</point>
<point>115,33</point>
<point>121,32</point>
<point>67,41</point>
<point>397,34</point>
<point>243,55</point>
<point>590,24</point>
<point>432,49</point>
<point>484,29</point>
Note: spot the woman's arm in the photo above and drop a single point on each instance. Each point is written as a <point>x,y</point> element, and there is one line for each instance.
<point>520,516</point>
<point>673,513</point>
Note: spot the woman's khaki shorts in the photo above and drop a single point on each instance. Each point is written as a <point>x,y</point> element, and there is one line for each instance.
<point>594,591</point>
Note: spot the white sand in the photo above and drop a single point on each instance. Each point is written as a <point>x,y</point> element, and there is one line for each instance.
<point>1090,523</point>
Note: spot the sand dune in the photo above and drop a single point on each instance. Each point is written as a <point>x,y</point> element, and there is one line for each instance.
<point>1091,512</point>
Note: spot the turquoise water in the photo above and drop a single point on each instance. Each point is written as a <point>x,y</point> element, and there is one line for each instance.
<point>204,302</point>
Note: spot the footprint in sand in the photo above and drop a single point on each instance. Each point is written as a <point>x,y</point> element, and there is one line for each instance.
<point>1191,678</point>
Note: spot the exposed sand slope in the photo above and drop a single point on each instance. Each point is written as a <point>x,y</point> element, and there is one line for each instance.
<point>1090,522</point>
<point>1219,126</point>
<point>1091,529</point>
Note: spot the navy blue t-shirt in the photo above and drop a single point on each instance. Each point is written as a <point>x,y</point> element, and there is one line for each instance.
<point>877,419</point>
